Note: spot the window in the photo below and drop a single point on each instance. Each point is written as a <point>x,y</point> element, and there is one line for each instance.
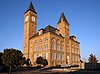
<point>35,48</point>
<point>72,57</point>
<point>40,32</point>
<point>62,56</point>
<point>46,39</point>
<point>67,49</point>
<point>78,51</point>
<point>53,46</point>
<point>53,43</point>
<point>57,32</point>
<point>72,45</point>
<point>40,41</point>
<point>67,43</point>
<point>40,48</point>
<point>75,46</point>
<point>58,45</point>
<point>67,58</point>
<point>46,46</point>
<point>31,57</point>
<point>57,56</point>
<point>72,50</point>
<point>53,55</point>
<point>62,46</point>
<point>53,39</point>
<point>46,55</point>
<point>35,55</point>
<point>35,41</point>
<point>30,49</point>
<point>76,58</point>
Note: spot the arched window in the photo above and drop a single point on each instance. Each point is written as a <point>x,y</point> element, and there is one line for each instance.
<point>35,41</point>
<point>58,45</point>
<point>62,46</point>
<point>53,43</point>
<point>45,39</point>
<point>53,40</point>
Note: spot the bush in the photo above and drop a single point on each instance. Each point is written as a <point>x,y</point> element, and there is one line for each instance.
<point>40,60</point>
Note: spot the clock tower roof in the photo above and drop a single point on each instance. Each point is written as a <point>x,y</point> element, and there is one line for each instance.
<point>31,8</point>
<point>64,18</point>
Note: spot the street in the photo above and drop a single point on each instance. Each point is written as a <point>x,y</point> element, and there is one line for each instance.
<point>55,72</point>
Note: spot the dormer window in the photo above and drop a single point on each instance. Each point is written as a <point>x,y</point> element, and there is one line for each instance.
<point>40,31</point>
<point>73,37</point>
<point>40,41</point>
<point>57,32</point>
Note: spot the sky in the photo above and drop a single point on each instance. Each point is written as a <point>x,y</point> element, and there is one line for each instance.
<point>82,15</point>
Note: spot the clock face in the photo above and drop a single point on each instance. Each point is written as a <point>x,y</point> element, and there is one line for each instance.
<point>26,19</point>
<point>33,18</point>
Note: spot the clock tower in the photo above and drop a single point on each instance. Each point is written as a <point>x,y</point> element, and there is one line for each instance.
<point>30,23</point>
<point>63,26</point>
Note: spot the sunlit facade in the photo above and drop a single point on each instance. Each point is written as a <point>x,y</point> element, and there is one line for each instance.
<point>53,44</point>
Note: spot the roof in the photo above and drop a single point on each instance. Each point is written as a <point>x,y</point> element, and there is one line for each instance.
<point>64,18</point>
<point>48,28</point>
<point>31,8</point>
<point>72,36</point>
<point>41,29</point>
<point>73,39</point>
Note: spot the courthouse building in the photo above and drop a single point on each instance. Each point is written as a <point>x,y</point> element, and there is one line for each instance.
<point>54,44</point>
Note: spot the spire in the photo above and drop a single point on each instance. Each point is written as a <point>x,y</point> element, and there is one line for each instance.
<point>31,8</point>
<point>64,18</point>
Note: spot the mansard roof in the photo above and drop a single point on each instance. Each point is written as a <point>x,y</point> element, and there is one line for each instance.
<point>48,28</point>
